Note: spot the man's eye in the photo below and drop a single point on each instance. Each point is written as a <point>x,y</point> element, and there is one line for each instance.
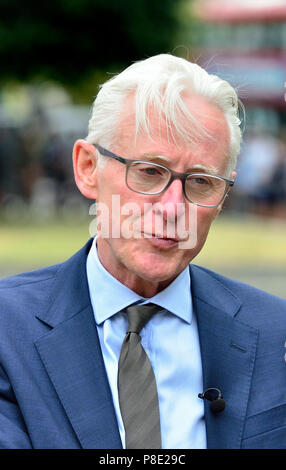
<point>151,171</point>
<point>200,180</point>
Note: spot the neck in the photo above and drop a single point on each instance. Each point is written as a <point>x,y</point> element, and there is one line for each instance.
<point>143,287</point>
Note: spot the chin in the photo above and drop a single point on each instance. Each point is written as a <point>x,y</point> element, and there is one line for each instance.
<point>154,270</point>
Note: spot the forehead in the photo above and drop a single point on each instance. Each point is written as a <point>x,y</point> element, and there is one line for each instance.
<point>162,137</point>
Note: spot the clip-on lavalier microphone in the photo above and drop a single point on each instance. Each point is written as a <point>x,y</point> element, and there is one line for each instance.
<point>214,395</point>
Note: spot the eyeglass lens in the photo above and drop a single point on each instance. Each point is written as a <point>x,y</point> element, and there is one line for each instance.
<point>150,178</point>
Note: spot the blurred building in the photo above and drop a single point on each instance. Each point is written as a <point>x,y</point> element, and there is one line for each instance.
<point>244,42</point>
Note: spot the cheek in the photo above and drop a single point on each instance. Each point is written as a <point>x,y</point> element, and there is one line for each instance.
<point>119,213</point>
<point>111,180</point>
<point>206,214</point>
<point>205,217</point>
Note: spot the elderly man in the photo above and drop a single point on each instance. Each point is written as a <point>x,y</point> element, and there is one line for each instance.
<point>127,344</point>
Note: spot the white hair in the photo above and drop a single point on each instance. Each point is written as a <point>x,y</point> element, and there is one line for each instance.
<point>160,81</point>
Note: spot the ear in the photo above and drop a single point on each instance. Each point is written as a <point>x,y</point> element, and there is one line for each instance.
<point>85,168</point>
<point>219,208</point>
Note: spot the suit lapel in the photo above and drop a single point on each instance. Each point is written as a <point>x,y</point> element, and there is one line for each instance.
<point>72,357</point>
<point>228,351</point>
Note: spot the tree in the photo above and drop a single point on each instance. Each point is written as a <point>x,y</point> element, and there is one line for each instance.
<point>66,39</point>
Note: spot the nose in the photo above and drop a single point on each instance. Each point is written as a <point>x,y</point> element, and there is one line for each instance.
<point>171,204</point>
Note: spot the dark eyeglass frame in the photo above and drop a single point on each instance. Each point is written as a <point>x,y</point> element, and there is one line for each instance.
<point>175,175</point>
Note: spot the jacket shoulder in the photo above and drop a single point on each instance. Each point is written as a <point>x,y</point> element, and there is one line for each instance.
<point>23,294</point>
<point>257,306</point>
<point>239,288</point>
<point>30,277</point>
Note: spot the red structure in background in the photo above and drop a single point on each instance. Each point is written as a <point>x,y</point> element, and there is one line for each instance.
<point>253,55</point>
<point>241,11</point>
<point>244,42</point>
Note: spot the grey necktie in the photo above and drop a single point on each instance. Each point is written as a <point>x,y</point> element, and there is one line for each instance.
<point>137,388</point>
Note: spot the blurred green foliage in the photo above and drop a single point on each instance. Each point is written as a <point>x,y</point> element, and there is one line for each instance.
<point>66,39</point>
<point>232,242</point>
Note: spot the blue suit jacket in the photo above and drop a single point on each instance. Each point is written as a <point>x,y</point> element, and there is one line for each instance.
<point>54,391</point>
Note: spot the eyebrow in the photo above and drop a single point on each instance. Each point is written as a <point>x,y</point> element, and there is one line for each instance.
<point>208,169</point>
<point>155,156</point>
<point>198,166</point>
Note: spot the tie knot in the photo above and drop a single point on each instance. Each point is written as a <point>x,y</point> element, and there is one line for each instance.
<point>139,315</point>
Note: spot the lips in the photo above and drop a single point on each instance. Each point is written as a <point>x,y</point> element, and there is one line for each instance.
<point>160,236</point>
<point>163,237</point>
<point>162,242</point>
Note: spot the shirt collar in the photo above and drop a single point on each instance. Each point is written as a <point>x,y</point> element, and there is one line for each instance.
<point>176,298</point>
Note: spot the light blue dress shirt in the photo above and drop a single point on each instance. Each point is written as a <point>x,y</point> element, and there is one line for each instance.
<point>170,339</point>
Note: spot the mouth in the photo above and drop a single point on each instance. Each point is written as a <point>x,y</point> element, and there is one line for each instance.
<point>161,241</point>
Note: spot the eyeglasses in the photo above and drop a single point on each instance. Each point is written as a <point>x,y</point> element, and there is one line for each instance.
<point>153,178</point>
